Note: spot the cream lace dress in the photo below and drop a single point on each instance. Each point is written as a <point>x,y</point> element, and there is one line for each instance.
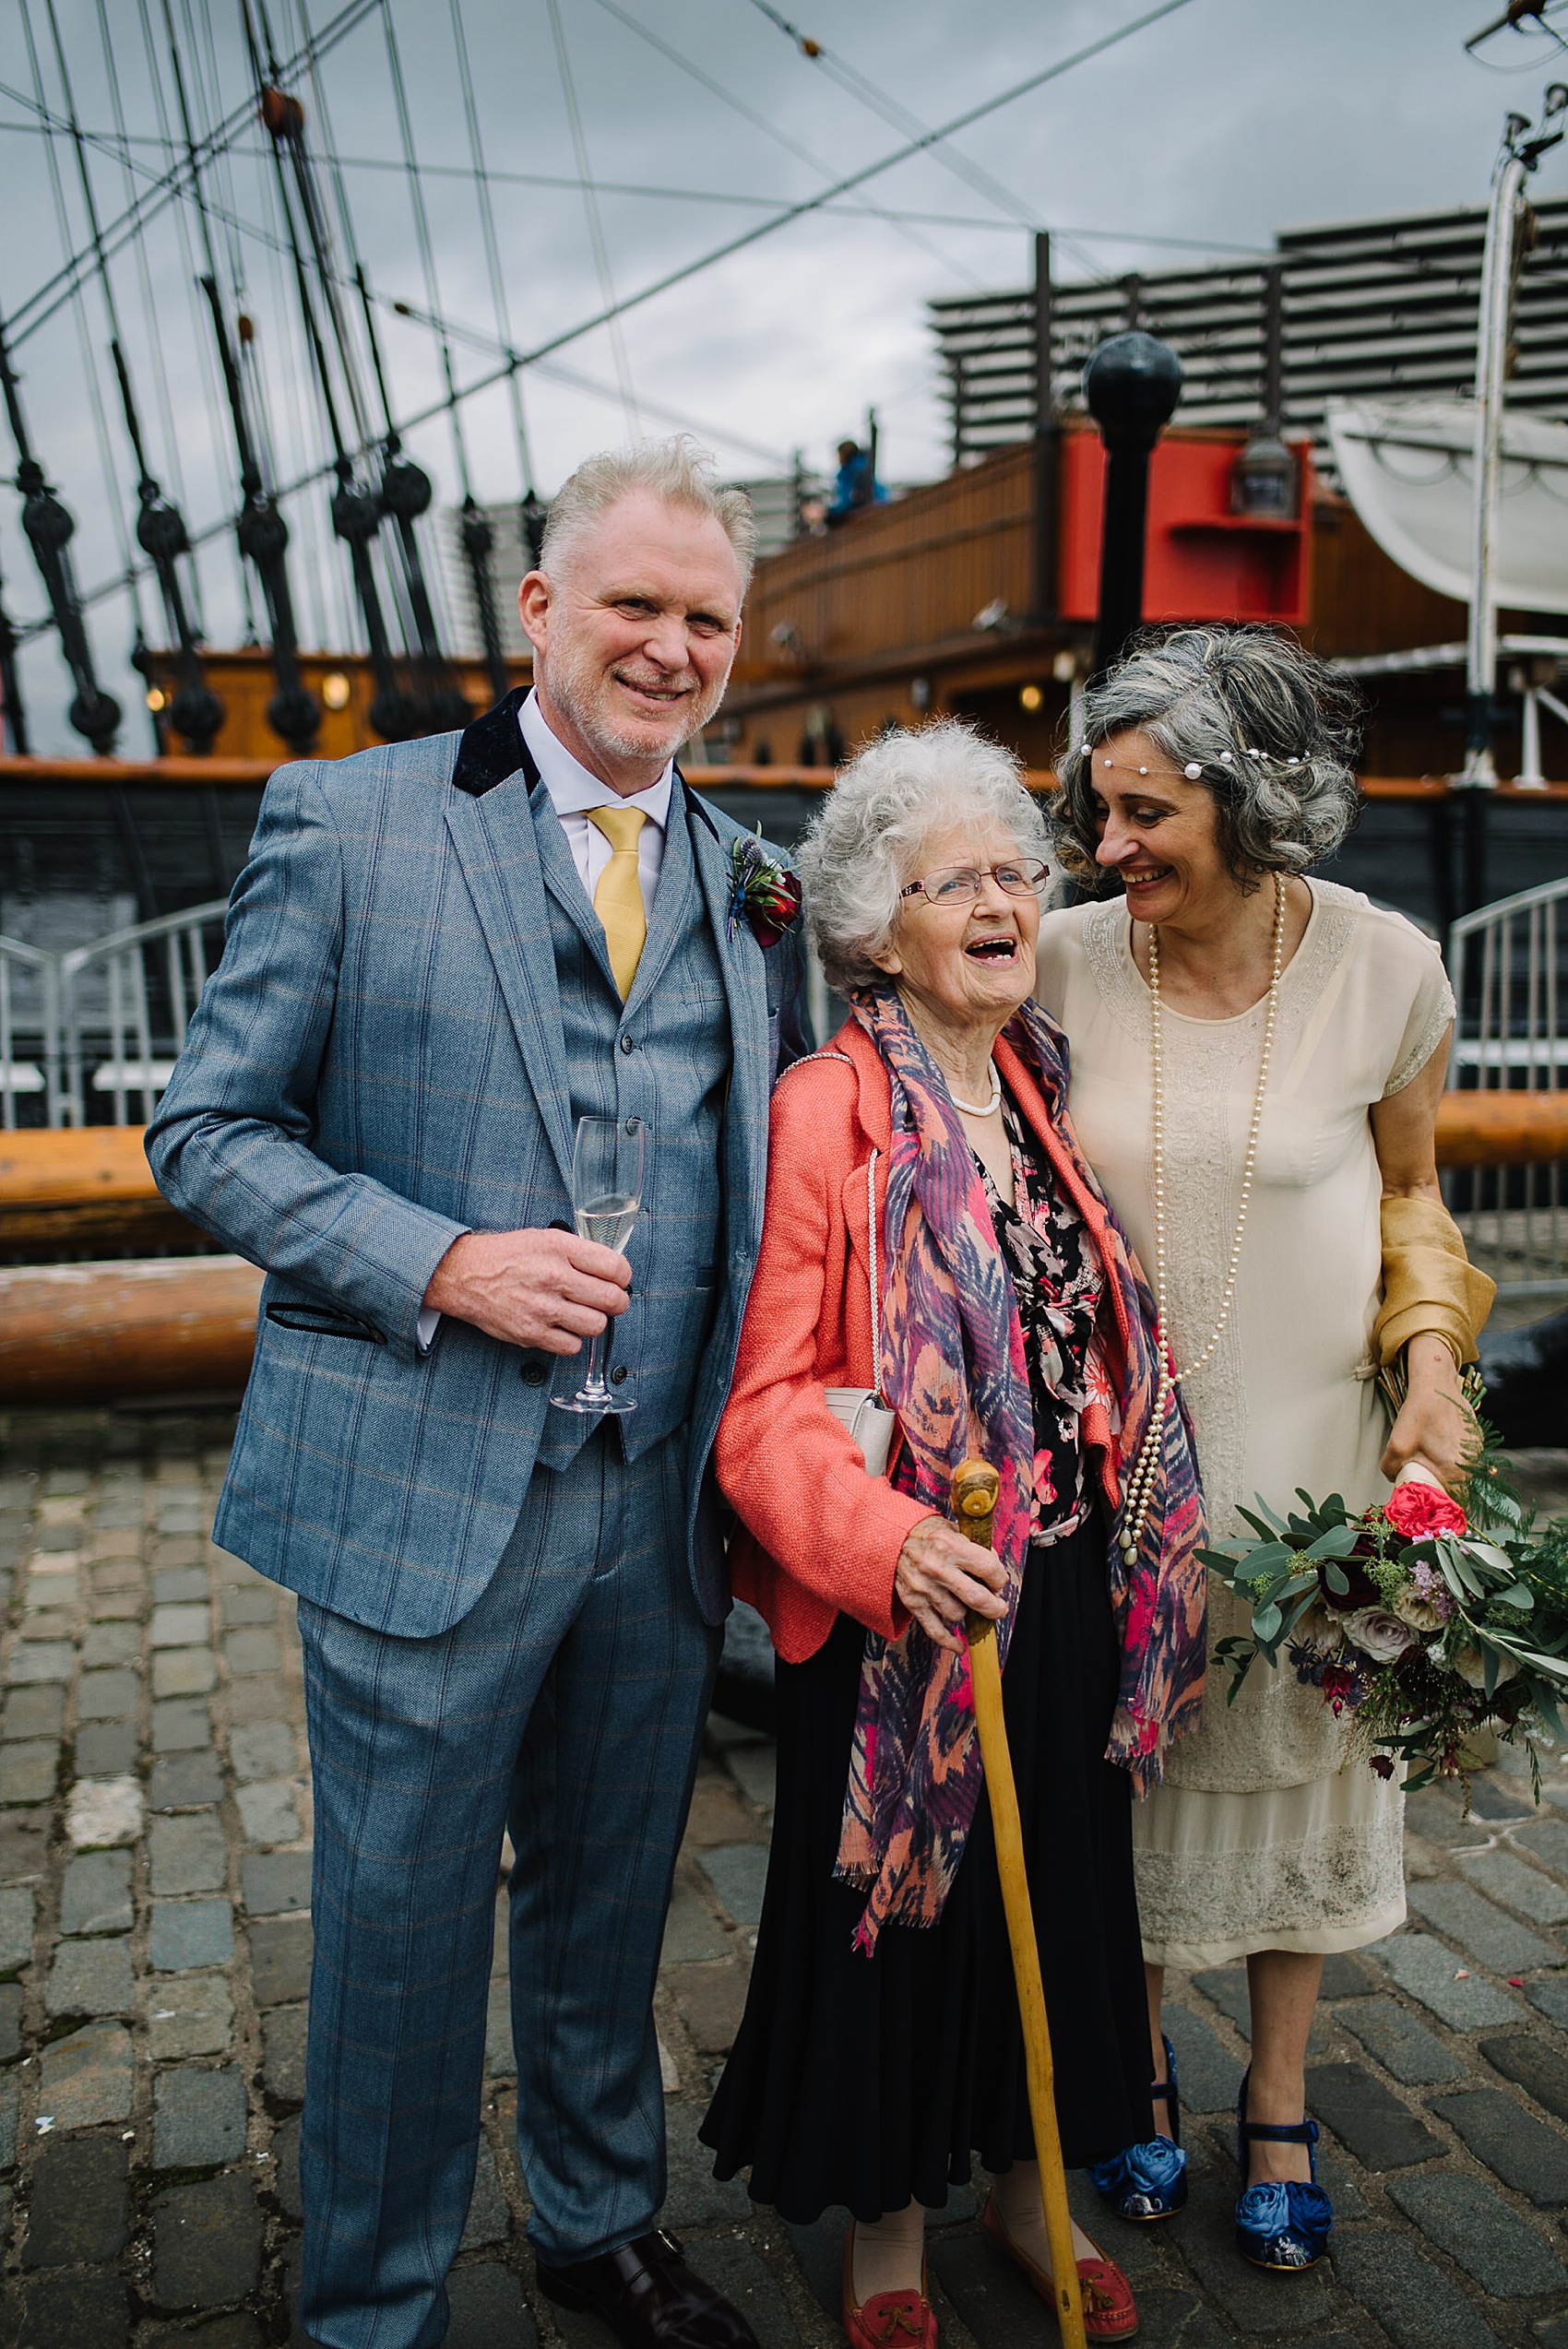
<point>1266,1834</point>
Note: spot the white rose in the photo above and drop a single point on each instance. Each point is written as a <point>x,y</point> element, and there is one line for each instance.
<point>1378,1634</point>
<point>1410,1608</point>
<point>1470,1665</point>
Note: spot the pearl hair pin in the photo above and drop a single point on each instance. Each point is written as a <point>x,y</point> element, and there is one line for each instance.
<point>1194,767</point>
<point>1140,1484</point>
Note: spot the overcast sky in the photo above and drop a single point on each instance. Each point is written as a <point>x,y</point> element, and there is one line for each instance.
<point>1221,123</point>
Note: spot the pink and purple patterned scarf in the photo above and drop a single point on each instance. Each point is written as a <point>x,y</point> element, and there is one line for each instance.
<point>954,1369</point>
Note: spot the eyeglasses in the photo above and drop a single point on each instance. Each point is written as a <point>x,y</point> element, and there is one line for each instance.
<point>960,884</point>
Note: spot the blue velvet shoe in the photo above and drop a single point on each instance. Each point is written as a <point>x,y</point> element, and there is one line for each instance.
<point>1149,2181</point>
<point>1283,2225</point>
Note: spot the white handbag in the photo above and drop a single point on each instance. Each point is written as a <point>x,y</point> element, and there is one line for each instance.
<point>861,1408</point>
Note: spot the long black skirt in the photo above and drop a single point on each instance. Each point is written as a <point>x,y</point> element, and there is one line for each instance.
<point>870,2082</point>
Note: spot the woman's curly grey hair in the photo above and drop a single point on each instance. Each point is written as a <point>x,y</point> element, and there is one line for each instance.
<point>1209,696</point>
<point>866,842</point>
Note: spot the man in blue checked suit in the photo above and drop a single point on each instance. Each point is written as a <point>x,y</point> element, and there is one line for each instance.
<point>440,955</point>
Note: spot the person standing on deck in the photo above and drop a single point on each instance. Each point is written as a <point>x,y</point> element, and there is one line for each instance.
<point>441,954</point>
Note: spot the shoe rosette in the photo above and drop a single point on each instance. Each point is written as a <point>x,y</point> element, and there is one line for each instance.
<point>1146,2181</point>
<point>1284,2224</point>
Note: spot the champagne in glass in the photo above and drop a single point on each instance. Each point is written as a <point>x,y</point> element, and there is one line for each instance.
<point>606,1190</point>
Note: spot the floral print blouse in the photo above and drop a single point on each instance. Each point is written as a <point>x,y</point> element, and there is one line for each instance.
<point>1057,1280</point>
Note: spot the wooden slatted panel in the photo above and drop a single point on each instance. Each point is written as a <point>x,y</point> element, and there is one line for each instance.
<point>1375,307</point>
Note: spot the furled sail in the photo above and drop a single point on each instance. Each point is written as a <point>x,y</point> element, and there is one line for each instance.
<point>1409,468</point>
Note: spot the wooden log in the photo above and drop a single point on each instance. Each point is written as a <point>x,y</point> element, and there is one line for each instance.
<point>1502,1128</point>
<point>84,1187</point>
<point>92,1333</point>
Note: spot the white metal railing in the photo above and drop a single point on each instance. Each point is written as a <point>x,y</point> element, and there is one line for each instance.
<point>30,1028</point>
<point>105,1019</point>
<point>1510,981</point>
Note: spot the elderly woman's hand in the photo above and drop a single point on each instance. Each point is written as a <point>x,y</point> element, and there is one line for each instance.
<point>1435,1426</point>
<point>941,1575</point>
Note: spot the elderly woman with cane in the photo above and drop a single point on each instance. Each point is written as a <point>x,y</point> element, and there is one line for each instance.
<point>1258,1061</point>
<point>939,1266</point>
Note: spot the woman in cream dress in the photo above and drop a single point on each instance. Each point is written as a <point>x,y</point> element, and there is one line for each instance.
<point>1212,770</point>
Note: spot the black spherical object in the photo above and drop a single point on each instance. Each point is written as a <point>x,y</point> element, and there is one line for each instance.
<point>295,714</point>
<point>160,532</point>
<point>1132,384</point>
<point>96,716</point>
<point>196,712</point>
<point>405,489</point>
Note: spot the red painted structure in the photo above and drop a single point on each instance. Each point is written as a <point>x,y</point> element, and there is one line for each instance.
<point>1203,562</point>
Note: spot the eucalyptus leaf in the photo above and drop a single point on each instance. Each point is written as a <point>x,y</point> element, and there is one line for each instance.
<point>1339,1541</point>
<point>1266,1620</point>
<point>1337,1580</point>
<point>1275,1521</point>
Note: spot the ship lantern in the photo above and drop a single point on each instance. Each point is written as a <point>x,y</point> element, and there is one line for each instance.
<point>1263,482</point>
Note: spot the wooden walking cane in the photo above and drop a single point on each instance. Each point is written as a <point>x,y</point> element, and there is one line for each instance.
<point>975,1486</point>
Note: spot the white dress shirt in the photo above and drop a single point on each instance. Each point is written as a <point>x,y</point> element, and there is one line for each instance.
<point>573,790</point>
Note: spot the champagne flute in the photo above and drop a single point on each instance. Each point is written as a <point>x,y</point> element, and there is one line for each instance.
<point>607,1189</point>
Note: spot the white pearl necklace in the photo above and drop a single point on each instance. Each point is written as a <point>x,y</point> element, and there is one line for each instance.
<point>981,1108</point>
<point>1140,1485</point>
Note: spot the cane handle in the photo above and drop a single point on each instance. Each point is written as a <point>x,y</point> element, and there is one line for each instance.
<point>975,1486</point>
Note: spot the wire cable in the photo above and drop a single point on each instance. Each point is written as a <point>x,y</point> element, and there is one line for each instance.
<point>491,242</point>
<point>596,226</point>
<point>704,80</point>
<point>110,471</point>
<point>859,86</point>
<point>164,188</point>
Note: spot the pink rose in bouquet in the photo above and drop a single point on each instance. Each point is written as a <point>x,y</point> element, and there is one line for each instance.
<point>1420,1511</point>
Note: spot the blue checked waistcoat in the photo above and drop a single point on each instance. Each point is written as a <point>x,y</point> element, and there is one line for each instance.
<point>414,1005</point>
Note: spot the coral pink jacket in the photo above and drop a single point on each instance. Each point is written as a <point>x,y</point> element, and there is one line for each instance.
<point>818,1537</point>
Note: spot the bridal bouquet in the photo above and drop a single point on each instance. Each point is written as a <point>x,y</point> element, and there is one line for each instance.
<point>1427,1621</point>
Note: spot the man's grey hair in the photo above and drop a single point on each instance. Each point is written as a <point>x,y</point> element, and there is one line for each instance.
<point>1209,696</point>
<point>678,472</point>
<point>866,843</point>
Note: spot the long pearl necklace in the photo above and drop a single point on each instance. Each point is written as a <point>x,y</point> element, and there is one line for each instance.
<point>981,1108</point>
<point>1140,1485</point>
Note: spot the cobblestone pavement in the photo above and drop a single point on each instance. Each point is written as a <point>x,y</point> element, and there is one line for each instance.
<point>155,1836</point>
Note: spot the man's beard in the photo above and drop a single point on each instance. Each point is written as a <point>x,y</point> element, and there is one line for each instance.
<point>582,691</point>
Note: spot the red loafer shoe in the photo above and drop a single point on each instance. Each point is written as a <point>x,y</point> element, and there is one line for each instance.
<point>888,2319</point>
<point>1109,2311</point>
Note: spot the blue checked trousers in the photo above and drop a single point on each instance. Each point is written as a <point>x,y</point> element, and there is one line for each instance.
<point>566,1706</point>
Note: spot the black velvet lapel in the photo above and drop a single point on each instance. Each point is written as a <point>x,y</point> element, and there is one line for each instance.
<point>492,749</point>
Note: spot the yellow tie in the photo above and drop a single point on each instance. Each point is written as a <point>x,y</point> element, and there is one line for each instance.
<point>618,900</point>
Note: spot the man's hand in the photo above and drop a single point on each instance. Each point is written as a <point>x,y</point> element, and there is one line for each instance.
<point>941,1575</point>
<point>1436,1425</point>
<point>546,1289</point>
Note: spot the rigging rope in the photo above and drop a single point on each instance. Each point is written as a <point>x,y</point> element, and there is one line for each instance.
<point>196,711</point>
<point>515,359</point>
<point>596,226</point>
<point>160,371</point>
<point>849,77</point>
<point>166,188</point>
<point>491,243</point>
<point>865,205</point>
<point>88,360</point>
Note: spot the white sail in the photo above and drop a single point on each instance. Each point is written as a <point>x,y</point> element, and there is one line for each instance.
<point>1408,469</point>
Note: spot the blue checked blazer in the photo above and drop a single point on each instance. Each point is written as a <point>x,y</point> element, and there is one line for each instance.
<point>375,1067</point>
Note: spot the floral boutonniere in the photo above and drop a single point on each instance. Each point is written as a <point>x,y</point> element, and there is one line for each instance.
<point>763,894</point>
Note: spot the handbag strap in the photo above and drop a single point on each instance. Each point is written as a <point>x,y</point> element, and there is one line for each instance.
<point>876,1284</point>
<point>805,1062</point>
